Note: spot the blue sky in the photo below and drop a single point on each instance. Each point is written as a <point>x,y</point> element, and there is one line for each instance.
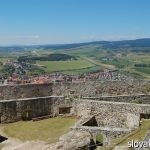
<point>68,21</point>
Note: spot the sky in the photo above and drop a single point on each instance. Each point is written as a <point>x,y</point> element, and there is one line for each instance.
<point>26,22</point>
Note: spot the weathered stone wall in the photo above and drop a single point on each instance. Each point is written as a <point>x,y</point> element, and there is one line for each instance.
<point>139,98</point>
<point>112,114</point>
<point>108,133</point>
<point>90,89</point>
<point>19,100</point>
<point>107,88</point>
<point>25,91</point>
<point>14,110</point>
<point>63,102</point>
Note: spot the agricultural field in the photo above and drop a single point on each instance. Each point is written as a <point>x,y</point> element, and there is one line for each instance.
<point>143,70</point>
<point>126,63</point>
<point>121,59</point>
<point>91,57</point>
<point>52,66</point>
<point>85,70</point>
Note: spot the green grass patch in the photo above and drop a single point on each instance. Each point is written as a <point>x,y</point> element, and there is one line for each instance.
<point>48,130</point>
<point>1,68</point>
<point>119,63</point>
<point>99,138</point>
<point>143,70</point>
<point>52,66</point>
<point>35,70</point>
<point>86,70</point>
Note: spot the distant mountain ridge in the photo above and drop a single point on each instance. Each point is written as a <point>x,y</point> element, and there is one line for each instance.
<point>104,44</point>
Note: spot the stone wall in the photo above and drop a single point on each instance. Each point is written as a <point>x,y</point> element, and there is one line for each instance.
<point>139,98</point>
<point>107,88</point>
<point>107,133</point>
<point>25,91</point>
<point>112,114</point>
<point>35,100</point>
<point>90,89</point>
<point>14,110</point>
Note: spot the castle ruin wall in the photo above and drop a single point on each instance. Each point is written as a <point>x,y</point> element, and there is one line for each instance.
<point>28,108</point>
<point>107,88</point>
<point>138,98</point>
<point>8,92</point>
<point>112,114</point>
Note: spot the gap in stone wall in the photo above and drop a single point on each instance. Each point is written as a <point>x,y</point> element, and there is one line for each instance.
<point>64,110</point>
<point>144,116</point>
<point>91,122</point>
<point>2,138</point>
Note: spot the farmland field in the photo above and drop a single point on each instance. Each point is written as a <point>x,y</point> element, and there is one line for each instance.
<point>85,70</point>
<point>52,66</point>
<point>90,57</point>
<point>143,70</point>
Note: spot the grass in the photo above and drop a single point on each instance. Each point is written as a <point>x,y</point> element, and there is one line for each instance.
<point>126,63</point>
<point>48,130</point>
<point>119,63</point>
<point>52,66</point>
<point>99,138</point>
<point>143,70</point>
<point>1,67</point>
<point>86,70</point>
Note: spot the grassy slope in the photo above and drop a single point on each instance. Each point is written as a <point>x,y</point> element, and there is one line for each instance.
<point>48,130</point>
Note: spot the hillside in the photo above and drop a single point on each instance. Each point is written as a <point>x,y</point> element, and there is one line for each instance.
<point>138,43</point>
<point>129,56</point>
